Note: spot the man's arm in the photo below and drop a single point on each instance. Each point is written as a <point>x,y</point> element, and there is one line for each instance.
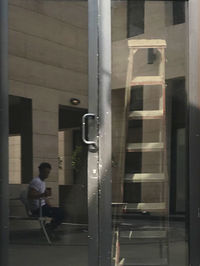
<point>34,194</point>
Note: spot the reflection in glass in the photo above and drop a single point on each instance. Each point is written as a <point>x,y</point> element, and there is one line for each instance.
<point>149,140</point>
<point>48,66</point>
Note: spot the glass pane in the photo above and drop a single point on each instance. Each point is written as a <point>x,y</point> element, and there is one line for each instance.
<point>48,74</point>
<point>149,102</point>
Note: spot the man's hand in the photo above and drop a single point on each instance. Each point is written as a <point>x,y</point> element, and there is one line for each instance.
<point>34,194</point>
<point>47,192</point>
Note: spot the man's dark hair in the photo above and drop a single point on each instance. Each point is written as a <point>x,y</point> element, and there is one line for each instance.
<point>44,165</point>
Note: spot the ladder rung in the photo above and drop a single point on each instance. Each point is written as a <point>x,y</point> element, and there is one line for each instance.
<point>147,80</point>
<point>161,206</point>
<point>143,43</point>
<point>154,114</point>
<point>144,177</point>
<point>132,234</point>
<point>146,147</point>
<point>146,262</point>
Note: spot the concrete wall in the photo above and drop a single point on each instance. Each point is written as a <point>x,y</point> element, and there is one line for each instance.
<point>48,64</point>
<point>158,25</point>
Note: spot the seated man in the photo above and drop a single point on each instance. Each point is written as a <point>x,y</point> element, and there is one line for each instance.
<point>38,194</point>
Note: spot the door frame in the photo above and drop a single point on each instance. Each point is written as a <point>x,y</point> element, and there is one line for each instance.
<point>194,130</point>
<point>99,160</point>
<point>4,195</point>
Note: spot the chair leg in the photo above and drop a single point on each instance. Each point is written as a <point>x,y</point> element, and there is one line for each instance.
<point>45,232</point>
<point>121,263</point>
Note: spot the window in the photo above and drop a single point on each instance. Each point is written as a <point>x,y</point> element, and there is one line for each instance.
<point>20,140</point>
<point>15,159</point>
<point>135,17</point>
<point>178,12</point>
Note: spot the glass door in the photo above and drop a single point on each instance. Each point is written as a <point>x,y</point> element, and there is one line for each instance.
<point>59,88</point>
<point>122,75</point>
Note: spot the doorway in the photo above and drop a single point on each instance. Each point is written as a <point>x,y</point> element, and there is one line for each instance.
<point>72,168</point>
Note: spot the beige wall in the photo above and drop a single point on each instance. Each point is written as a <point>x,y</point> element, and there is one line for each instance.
<point>158,17</point>
<point>119,20</point>
<point>48,64</point>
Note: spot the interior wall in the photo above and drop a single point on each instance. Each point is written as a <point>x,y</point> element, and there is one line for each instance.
<point>48,64</point>
<point>158,25</point>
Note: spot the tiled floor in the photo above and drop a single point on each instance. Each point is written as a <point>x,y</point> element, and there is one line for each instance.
<point>29,247</point>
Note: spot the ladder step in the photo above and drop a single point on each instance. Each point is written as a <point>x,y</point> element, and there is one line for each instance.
<point>144,177</point>
<point>155,207</point>
<point>146,147</point>
<point>154,114</point>
<point>147,80</point>
<point>132,234</point>
<point>146,43</point>
<point>146,262</point>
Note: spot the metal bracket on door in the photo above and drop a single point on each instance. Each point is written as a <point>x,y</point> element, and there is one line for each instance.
<point>86,141</point>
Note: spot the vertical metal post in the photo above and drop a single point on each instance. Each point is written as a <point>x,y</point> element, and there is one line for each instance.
<point>105,141</point>
<point>194,132</point>
<point>99,162</point>
<point>4,206</point>
<point>93,173</point>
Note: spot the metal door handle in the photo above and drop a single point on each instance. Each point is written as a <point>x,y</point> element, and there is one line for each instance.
<point>89,142</point>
